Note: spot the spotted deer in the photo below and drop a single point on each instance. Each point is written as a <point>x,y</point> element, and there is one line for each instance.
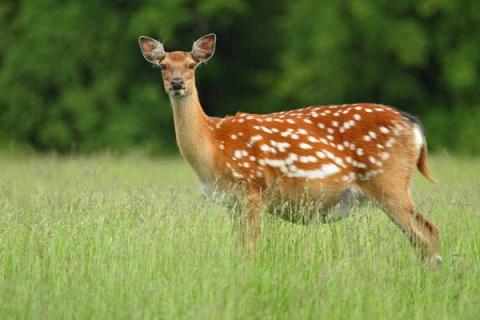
<point>327,154</point>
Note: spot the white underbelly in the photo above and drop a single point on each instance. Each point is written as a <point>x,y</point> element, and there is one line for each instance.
<point>208,190</point>
<point>213,192</point>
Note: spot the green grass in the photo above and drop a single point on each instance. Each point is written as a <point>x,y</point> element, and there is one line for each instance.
<point>108,238</point>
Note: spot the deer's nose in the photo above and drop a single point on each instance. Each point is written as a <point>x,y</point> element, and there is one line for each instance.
<point>177,83</point>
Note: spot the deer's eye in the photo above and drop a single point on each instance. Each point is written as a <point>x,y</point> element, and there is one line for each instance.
<point>162,66</point>
<point>191,66</point>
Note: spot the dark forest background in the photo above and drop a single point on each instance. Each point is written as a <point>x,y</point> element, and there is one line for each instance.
<point>72,78</point>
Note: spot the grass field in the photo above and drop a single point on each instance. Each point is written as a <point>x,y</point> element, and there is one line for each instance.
<point>109,238</point>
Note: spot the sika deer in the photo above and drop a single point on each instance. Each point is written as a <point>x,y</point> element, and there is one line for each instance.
<point>321,153</point>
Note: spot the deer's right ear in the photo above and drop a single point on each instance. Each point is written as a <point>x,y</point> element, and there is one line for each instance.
<point>152,49</point>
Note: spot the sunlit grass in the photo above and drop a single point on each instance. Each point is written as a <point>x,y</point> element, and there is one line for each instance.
<point>132,238</point>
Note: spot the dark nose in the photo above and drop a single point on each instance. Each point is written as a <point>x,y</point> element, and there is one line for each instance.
<point>177,83</point>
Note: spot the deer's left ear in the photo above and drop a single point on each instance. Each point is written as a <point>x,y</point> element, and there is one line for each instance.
<point>204,48</point>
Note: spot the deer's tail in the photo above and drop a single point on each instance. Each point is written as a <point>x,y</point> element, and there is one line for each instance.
<point>422,164</point>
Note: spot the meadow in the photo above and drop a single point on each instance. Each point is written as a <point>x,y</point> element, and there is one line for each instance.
<point>103,237</point>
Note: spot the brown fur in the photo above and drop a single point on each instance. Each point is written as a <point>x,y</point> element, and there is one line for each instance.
<point>314,154</point>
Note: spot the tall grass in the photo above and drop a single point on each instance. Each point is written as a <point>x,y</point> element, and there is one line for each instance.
<point>108,238</point>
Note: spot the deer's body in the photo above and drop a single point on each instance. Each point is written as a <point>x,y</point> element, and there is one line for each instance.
<point>319,154</point>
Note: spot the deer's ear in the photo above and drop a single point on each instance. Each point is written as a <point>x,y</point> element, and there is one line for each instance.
<point>152,49</point>
<point>204,48</point>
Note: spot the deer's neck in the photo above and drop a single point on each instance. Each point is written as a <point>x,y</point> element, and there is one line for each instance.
<point>194,138</point>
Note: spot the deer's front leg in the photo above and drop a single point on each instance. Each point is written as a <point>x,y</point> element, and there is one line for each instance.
<point>248,222</point>
<point>253,216</point>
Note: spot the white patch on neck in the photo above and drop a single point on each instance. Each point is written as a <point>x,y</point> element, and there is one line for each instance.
<point>179,100</point>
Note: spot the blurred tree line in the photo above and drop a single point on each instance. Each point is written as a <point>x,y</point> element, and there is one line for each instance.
<point>72,78</point>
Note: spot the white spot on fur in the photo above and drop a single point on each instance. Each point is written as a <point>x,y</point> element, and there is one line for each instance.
<point>281,146</point>
<point>240,153</point>
<point>357,164</point>
<point>265,129</point>
<point>325,171</point>
<point>307,159</point>
<point>265,148</point>
<point>329,154</point>
<point>305,146</point>
<point>255,138</point>
<point>275,163</point>
<point>292,157</point>
<point>339,161</point>
<point>320,154</point>
<point>390,142</point>
<point>384,130</point>
<point>236,174</point>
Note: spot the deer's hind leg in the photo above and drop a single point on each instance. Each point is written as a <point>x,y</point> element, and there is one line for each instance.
<point>342,206</point>
<point>392,194</point>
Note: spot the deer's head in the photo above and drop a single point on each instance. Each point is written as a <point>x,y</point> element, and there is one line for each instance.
<point>178,67</point>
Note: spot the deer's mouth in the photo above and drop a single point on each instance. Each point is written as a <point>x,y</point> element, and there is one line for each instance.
<point>177,92</point>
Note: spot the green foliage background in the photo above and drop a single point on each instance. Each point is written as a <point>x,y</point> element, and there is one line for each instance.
<point>72,78</point>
